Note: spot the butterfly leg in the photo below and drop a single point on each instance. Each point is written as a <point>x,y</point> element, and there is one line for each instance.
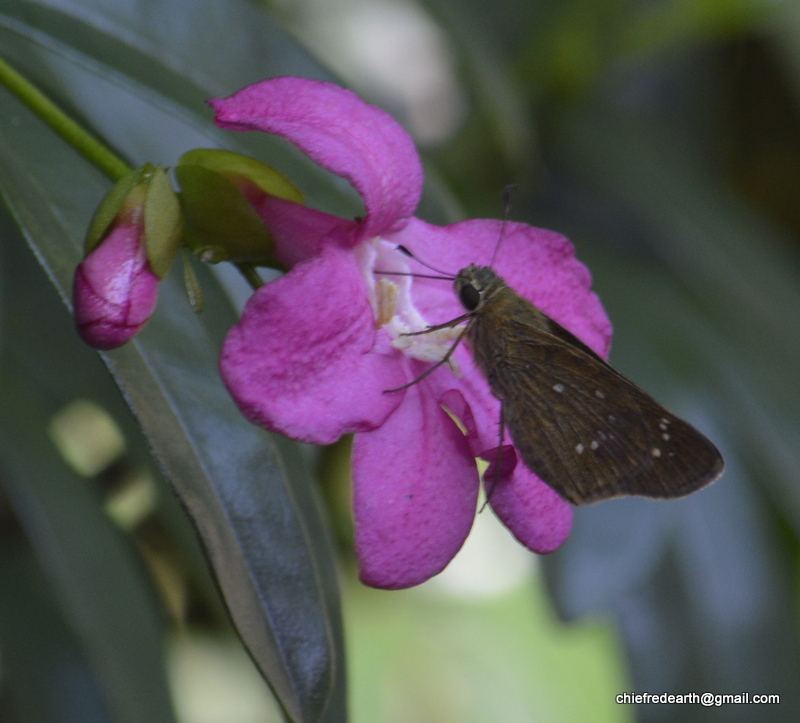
<point>443,360</point>
<point>448,325</point>
<point>497,462</point>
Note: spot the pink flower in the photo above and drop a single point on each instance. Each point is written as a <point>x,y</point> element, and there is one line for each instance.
<point>315,351</point>
<point>115,290</point>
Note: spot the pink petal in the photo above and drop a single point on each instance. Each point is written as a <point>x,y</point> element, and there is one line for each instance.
<point>302,359</point>
<point>537,263</point>
<point>535,514</point>
<point>541,266</point>
<point>454,401</point>
<point>482,414</point>
<point>415,490</point>
<point>115,291</point>
<point>299,230</point>
<point>343,134</point>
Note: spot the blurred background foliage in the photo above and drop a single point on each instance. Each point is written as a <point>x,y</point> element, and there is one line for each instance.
<point>661,136</point>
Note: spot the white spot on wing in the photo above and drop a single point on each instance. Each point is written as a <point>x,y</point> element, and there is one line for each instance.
<point>599,394</point>
<point>656,452</point>
<point>579,449</point>
<point>558,388</point>
<point>594,445</point>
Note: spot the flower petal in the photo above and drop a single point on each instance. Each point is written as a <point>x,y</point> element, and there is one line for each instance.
<point>115,291</point>
<point>538,264</point>
<point>342,133</point>
<point>415,490</point>
<point>541,266</point>
<point>535,514</point>
<point>302,360</point>
<point>299,230</point>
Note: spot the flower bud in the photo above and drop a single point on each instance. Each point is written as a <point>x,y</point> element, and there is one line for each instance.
<point>115,290</point>
<point>131,244</point>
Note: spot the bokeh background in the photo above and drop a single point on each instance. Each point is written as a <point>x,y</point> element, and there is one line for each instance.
<point>661,136</point>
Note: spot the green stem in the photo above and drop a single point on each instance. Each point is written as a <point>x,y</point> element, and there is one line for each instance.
<point>251,275</point>
<point>86,144</point>
<point>68,129</point>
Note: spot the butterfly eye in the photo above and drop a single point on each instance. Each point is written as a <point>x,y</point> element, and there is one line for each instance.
<point>470,297</point>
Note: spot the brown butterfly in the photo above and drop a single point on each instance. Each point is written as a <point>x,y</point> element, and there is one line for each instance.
<point>581,426</point>
<point>578,424</point>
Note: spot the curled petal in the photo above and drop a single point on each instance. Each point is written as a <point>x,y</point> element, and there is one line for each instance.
<point>415,490</point>
<point>534,512</point>
<point>479,410</point>
<point>454,401</point>
<point>537,516</point>
<point>302,360</point>
<point>343,134</point>
<point>507,458</point>
<point>115,291</point>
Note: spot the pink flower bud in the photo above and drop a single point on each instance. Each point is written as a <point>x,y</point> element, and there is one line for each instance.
<point>115,289</point>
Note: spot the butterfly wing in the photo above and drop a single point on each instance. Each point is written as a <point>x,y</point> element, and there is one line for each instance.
<point>584,428</point>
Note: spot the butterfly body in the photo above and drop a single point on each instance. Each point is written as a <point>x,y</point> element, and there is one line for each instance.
<point>578,424</point>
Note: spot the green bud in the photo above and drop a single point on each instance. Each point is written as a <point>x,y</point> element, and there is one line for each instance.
<point>240,168</point>
<point>145,192</point>
<point>162,223</point>
<point>221,225</point>
<point>112,204</point>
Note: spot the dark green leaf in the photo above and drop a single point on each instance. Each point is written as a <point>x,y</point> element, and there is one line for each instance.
<point>46,677</point>
<point>97,579</point>
<point>248,494</point>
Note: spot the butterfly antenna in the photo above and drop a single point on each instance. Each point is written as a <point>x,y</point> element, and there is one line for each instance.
<point>507,193</point>
<point>406,252</point>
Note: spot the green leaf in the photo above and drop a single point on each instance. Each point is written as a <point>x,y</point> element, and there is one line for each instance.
<point>700,291</point>
<point>46,677</point>
<point>730,284</point>
<point>162,223</point>
<point>99,585</point>
<point>699,588</point>
<point>248,493</point>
